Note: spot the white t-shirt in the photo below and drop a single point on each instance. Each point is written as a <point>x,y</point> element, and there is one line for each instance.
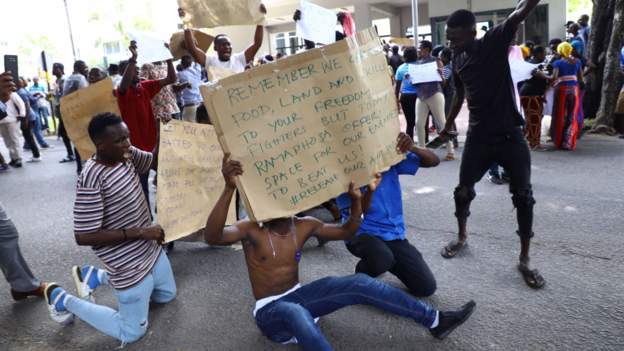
<point>14,107</point>
<point>220,69</point>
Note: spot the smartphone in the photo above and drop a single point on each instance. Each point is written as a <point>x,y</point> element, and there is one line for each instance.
<point>10,64</point>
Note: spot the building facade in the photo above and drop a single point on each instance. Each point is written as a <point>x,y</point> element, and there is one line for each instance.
<point>393,18</point>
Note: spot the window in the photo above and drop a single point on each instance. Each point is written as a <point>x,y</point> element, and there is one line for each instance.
<point>383,27</point>
<point>287,43</point>
<point>424,32</point>
<point>111,48</point>
<point>536,26</point>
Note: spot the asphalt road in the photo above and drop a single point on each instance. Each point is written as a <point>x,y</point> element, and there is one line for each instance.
<point>577,247</point>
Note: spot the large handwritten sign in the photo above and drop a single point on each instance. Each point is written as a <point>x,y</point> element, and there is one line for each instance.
<point>80,106</point>
<point>189,177</point>
<point>307,125</point>
<point>215,13</point>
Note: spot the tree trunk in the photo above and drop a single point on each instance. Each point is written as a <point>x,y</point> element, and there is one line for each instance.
<point>605,118</point>
<point>602,18</point>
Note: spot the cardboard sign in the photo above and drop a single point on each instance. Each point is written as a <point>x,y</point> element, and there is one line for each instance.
<point>189,178</point>
<point>215,13</point>
<point>80,106</point>
<point>178,48</point>
<point>305,126</point>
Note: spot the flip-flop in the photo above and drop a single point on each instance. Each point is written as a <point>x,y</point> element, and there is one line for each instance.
<point>532,277</point>
<point>66,159</point>
<point>454,247</point>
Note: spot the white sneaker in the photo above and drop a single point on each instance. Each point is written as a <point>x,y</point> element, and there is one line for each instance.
<point>86,281</point>
<point>54,296</point>
<point>34,159</point>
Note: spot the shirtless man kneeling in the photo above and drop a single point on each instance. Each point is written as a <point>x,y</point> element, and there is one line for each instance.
<point>273,251</point>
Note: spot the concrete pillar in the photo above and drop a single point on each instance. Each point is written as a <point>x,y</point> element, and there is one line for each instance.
<point>395,26</point>
<point>363,18</point>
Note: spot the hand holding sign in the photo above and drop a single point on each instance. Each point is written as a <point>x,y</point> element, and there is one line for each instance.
<point>315,23</point>
<point>424,73</point>
<point>215,13</point>
<point>231,169</point>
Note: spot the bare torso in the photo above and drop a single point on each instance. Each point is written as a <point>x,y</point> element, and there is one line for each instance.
<point>272,253</point>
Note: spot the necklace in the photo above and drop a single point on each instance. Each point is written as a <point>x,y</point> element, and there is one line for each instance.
<point>294,236</point>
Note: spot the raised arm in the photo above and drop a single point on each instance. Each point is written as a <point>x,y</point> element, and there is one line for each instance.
<point>189,43</point>
<point>521,12</point>
<point>171,77</point>
<point>197,53</point>
<point>251,51</point>
<point>367,199</point>
<point>342,231</point>
<point>128,75</point>
<point>216,233</point>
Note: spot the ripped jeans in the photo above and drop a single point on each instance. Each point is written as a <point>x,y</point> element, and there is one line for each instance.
<point>129,323</point>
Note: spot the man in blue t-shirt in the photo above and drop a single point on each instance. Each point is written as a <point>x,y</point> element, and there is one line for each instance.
<point>380,241</point>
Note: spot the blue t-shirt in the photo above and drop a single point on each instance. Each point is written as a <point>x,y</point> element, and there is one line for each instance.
<point>384,218</point>
<point>622,58</point>
<point>568,69</point>
<point>579,45</point>
<point>192,75</point>
<point>402,77</point>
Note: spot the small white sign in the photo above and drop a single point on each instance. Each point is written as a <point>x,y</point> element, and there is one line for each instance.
<point>150,48</point>
<point>424,73</point>
<point>317,23</point>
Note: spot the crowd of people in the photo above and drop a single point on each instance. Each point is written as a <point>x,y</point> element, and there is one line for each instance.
<point>112,213</point>
<point>556,87</point>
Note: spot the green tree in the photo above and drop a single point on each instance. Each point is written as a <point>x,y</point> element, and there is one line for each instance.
<point>576,8</point>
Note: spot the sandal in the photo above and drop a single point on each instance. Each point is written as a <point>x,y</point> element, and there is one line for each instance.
<point>67,159</point>
<point>453,248</point>
<point>532,277</point>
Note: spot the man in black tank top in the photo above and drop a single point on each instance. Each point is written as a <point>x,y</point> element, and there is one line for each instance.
<point>482,75</point>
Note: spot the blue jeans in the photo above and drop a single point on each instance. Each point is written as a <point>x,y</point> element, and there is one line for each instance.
<point>294,314</point>
<point>43,116</point>
<point>37,132</point>
<point>129,323</point>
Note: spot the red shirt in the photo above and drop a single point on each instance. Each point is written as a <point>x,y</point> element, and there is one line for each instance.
<point>136,111</point>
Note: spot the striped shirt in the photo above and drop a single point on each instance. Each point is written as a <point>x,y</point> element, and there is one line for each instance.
<point>110,197</point>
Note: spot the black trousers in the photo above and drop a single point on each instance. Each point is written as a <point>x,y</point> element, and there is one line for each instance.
<point>398,257</point>
<point>29,138</point>
<point>511,151</point>
<point>408,104</point>
<point>78,161</point>
<point>63,134</point>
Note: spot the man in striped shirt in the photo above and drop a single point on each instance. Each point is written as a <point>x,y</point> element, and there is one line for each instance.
<point>111,215</point>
